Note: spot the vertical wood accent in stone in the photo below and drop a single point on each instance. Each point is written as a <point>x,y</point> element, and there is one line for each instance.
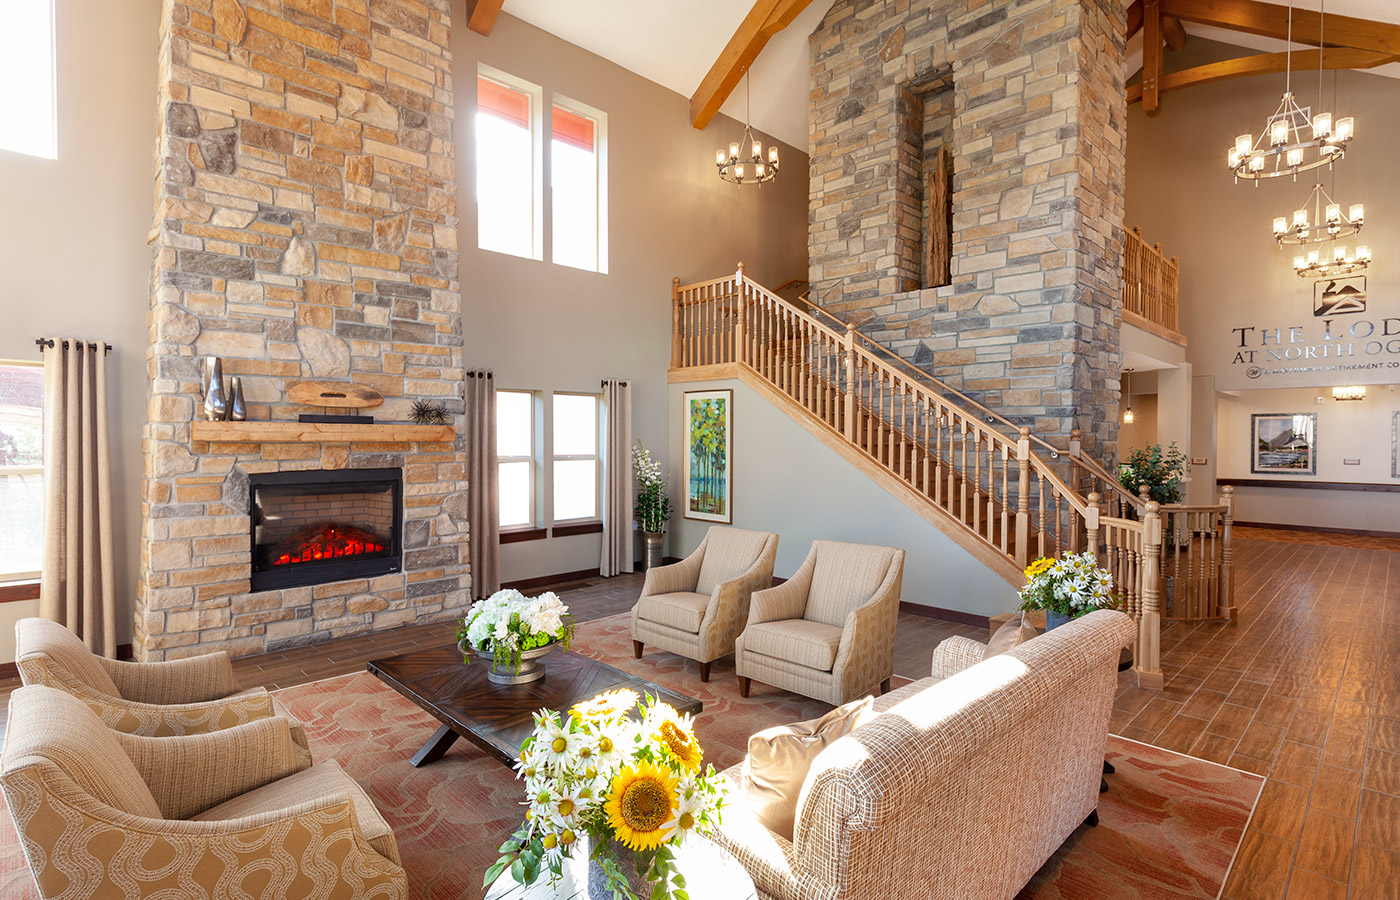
<point>1029,324</point>
<point>305,226</point>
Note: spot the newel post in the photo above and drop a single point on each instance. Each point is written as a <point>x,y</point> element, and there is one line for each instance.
<point>676,322</point>
<point>1076,441</point>
<point>1091,524</point>
<point>1227,554</point>
<point>1147,660</point>
<point>850,382</point>
<point>1023,499</point>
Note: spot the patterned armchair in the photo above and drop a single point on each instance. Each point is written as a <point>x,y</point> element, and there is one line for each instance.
<point>238,812</point>
<point>960,788</point>
<point>697,607</point>
<point>195,695</point>
<point>827,632</point>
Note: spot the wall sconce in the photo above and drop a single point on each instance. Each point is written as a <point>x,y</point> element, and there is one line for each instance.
<point>1350,392</point>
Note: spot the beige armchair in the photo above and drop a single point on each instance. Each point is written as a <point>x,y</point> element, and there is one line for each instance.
<point>195,695</point>
<point>238,812</point>
<point>697,607</point>
<point>827,632</point>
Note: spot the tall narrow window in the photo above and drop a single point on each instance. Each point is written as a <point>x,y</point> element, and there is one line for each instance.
<point>578,183</point>
<point>575,457</point>
<point>515,451</point>
<point>21,470</point>
<point>27,113</point>
<point>507,165</point>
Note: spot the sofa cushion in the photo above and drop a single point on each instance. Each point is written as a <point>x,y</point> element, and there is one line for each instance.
<point>682,610</point>
<point>728,554</point>
<point>807,643</point>
<point>844,578</point>
<point>1013,633</point>
<point>780,757</point>
<point>325,780</point>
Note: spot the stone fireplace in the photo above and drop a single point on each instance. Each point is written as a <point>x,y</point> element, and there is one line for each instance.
<point>305,228</point>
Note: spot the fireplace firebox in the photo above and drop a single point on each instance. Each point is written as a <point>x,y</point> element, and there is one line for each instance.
<point>320,526</point>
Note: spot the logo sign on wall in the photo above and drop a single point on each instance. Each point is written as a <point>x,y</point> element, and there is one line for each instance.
<point>1339,296</point>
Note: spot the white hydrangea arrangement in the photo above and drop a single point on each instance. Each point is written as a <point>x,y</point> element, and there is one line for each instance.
<point>1071,586</point>
<point>508,623</point>
<point>627,773</point>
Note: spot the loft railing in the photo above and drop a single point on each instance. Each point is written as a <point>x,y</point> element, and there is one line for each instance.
<point>931,438</point>
<point>1149,281</point>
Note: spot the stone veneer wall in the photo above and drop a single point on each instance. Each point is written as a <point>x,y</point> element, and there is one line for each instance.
<point>305,227</point>
<point>1030,324</point>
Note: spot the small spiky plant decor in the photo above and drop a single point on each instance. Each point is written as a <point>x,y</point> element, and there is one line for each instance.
<point>426,412</point>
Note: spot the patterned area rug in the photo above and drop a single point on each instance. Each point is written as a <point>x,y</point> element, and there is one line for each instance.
<point>1170,823</point>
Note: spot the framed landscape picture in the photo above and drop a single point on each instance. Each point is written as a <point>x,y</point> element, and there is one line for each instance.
<point>1284,444</point>
<point>708,445</point>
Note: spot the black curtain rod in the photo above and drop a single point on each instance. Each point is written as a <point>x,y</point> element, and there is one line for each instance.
<point>605,383</point>
<point>45,343</point>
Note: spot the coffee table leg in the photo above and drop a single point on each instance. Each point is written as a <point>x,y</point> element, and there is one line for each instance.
<point>437,745</point>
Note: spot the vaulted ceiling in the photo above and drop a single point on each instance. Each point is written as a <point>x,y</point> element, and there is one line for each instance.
<point>676,42</point>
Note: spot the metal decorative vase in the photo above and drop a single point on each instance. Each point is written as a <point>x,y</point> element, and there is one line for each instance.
<point>1054,619</point>
<point>529,670</point>
<point>655,543</point>
<point>212,380</point>
<point>627,863</point>
<point>237,409</point>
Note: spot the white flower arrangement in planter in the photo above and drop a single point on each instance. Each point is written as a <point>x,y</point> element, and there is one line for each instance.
<point>510,627</point>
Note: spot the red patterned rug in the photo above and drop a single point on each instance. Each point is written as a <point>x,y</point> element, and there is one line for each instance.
<point>1170,824</point>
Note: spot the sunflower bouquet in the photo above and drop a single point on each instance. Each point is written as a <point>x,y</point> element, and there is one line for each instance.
<point>633,786</point>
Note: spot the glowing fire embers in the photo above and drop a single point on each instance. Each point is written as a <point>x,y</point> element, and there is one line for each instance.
<point>320,542</point>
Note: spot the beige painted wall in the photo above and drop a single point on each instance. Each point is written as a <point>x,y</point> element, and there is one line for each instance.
<point>1233,275</point>
<point>789,482</point>
<point>1143,430</point>
<point>546,328</point>
<point>1358,429</point>
<point>73,239</point>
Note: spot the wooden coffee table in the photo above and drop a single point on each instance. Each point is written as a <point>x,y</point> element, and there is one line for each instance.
<point>498,717</point>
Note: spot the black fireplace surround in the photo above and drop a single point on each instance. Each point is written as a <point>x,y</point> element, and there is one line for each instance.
<point>321,526</point>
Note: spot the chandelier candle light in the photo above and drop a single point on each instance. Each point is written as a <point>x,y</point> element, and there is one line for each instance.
<point>740,170</point>
<point>1326,225</point>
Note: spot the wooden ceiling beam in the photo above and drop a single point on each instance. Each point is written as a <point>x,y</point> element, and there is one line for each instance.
<point>1264,64</point>
<point>1134,19</point>
<point>765,19</point>
<point>1173,33</point>
<point>481,15</point>
<point>1271,20</point>
<point>1151,57</point>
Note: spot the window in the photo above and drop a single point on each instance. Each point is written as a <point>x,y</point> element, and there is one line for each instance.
<point>508,166</point>
<point>21,470</point>
<point>578,183</point>
<point>575,457</point>
<point>515,451</point>
<point>27,111</point>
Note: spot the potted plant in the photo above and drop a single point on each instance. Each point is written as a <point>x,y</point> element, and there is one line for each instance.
<point>1066,588</point>
<point>514,631</point>
<point>633,787</point>
<point>1161,470</point>
<point>653,504</point>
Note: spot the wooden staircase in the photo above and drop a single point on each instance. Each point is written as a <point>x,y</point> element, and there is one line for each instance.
<point>993,487</point>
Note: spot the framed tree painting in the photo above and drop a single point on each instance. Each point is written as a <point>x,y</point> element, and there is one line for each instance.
<point>708,446</point>
<point>1284,444</point>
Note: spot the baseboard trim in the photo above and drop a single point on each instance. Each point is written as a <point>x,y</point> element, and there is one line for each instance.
<point>530,584</point>
<point>947,615</point>
<point>1319,529</point>
<point>10,670</point>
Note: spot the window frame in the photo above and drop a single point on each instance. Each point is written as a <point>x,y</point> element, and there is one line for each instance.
<point>600,155</point>
<point>10,578</point>
<point>531,459</point>
<point>49,148</point>
<point>596,456</point>
<point>536,95</point>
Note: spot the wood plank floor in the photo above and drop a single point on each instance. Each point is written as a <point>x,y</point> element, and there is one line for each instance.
<point>1304,688</point>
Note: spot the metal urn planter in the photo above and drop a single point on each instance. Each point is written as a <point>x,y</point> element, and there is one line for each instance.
<point>654,543</point>
<point>528,671</point>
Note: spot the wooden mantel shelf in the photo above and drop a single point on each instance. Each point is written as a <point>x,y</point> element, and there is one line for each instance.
<point>317,432</point>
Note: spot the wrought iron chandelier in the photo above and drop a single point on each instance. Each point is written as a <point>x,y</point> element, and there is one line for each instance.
<point>753,169</point>
<point>1339,263</point>
<point>1291,142</point>
<point>1325,224</point>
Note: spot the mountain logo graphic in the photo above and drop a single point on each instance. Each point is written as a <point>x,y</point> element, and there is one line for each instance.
<point>1338,296</point>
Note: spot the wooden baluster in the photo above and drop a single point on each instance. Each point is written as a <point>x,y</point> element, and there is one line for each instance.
<point>1227,554</point>
<point>850,404</point>
<point>1005,498</point>
<point>1023,498</point>
<point>1091,524</point>
<point>740,326</point>
<point>1040,522</point>
<point>676,359</point>
<point>1147,661</point>
<point>963,471</point>
<point>977,480</point>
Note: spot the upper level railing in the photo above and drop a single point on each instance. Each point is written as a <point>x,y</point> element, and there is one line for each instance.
<point>1149,281</point>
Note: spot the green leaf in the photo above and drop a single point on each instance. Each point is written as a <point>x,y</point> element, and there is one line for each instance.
<point>495,872</point>
<point>517,871</point>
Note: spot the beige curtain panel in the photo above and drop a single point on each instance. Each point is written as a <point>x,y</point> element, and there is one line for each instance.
<point>78,584</point>
<point>617,478</point>
<point>483,484</point>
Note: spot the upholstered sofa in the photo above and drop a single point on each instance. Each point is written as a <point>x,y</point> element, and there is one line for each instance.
<point>960,788</point>
<point>698,606</point>
<point>828,631</point>
<point>186,696</point>
<point>239,812</point>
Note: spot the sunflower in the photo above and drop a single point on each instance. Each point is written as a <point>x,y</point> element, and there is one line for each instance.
<point>606,706</point>
<point>640,805</point>
<point>678,738</point>
<point>1038,567</point>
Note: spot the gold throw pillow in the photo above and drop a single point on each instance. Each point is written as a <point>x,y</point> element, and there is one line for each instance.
<point>1012,634</point>
<point>780,757</point>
